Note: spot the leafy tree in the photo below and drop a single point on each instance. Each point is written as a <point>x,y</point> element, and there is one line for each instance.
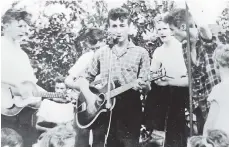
<point>224,23</point>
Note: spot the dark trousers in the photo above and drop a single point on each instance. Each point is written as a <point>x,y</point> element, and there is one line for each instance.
<point>22,124</point>
<point>165,110</point>
<point>124,128</point>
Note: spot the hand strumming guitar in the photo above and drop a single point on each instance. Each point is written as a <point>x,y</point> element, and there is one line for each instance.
<point>26,90</point>
<point>84,88</point>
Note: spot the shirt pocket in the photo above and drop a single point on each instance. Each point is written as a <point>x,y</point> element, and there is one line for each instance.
<point>129,72</point>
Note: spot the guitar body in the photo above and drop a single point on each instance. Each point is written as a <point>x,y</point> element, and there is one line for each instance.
<point>13,111</point>
<point>8,106</point>
<point>84,119</point>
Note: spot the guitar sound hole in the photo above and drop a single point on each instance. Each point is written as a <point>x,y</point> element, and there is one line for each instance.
<point>102,99</point>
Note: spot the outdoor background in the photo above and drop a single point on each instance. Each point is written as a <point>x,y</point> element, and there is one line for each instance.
<point>54,42</point>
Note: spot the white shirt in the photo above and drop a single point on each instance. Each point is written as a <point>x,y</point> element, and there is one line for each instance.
<point>171,59</point>
<point>220,93</point>
<point>56,112</point>
<point>16,66</point>
<point>81,64</point>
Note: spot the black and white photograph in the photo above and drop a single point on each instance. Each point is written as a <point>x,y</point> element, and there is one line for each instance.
<point>115,73</point>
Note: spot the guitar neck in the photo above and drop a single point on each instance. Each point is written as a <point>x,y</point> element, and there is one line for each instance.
<point>126,87</point>
<point>48,94</point>
<point>15,92</point>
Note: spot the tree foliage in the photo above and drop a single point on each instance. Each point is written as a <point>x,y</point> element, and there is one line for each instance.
<point>224,23</point>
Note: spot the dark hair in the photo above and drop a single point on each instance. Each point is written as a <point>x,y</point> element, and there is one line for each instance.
<point>93,35</point>
<point>118,13</point>
<point>60,79</point>
<point>177,17</point>
<point>219,138</point>
<point>12,15</point>
<point>10,137</point>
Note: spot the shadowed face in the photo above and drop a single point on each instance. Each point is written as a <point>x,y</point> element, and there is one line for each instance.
<point>181,34</point>
<point>60,88</point>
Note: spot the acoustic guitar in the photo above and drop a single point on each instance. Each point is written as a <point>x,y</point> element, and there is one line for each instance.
<point>12,103</point>
<point>84,119</point>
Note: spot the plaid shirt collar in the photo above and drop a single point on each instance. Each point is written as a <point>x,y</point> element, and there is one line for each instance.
<point>124,50</point>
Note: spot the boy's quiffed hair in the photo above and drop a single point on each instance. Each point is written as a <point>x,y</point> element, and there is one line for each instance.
<point>118,13</point>
<point>11,138</point>
<point>60,79</point>
<point>177,17</point>
<point>12,15</point>
<point>221,55</point>
<point>219,138</point>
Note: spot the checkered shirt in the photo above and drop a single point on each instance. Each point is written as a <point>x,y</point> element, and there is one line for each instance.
<point>204,72</point>
<point>130,64</point>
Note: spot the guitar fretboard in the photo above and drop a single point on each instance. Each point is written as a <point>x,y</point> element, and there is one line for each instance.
<point>126,87</point>
<point>48,94</point>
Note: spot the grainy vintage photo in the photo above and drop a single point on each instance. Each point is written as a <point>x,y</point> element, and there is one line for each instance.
<point>115,73</point>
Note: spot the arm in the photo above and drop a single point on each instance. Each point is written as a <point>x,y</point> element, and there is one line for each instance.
<point>144,73</point>
<point>205,32</point>
<point>181,82</point>
<point>72,82</point>
<point>212,117</point>
<point>78,69</point>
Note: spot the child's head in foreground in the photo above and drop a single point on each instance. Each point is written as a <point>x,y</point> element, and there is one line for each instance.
<point>10,138</point>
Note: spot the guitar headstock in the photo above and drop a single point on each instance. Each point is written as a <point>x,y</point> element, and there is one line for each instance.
<point>158,74</point>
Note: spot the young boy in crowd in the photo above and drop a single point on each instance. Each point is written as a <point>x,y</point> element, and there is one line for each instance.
<point>219,97</point>
<point>56,111</point>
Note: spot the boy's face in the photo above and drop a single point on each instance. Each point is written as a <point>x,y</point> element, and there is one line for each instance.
<point>60,88</point>
<point>181,34</point>
<point>163,31</point>
<point>119,29</point>
<point>178,33</point>
<point>16,29</point>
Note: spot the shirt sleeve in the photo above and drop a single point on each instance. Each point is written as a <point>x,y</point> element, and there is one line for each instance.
<point>94,68</point>
<point>212,72</point>
<point>30,76</point>
<point>81,64</point>
<point>155,62</point>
